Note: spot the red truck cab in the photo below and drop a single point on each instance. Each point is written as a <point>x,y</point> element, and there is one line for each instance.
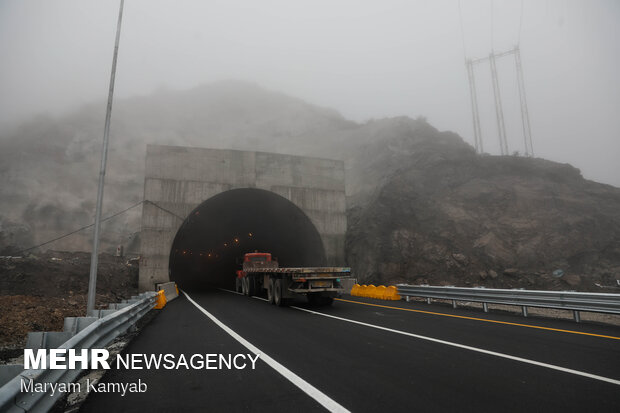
<point>257,257</point>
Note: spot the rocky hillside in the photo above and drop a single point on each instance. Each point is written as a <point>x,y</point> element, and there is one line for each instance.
<point>423,207</point>
<point>449,216</point>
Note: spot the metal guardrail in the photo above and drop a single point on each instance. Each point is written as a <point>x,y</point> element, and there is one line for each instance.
<point>564,300</point>
<point>97,335</point>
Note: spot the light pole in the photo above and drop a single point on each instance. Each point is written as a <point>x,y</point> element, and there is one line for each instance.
<point>92,281</point>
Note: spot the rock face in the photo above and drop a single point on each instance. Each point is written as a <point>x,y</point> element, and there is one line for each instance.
<point>447,214</point>
<point>423,207</point>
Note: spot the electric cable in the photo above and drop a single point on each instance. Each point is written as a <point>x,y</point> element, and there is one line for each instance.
<point>80,229</point>
<point>462,31</point>
<point>163,209</point>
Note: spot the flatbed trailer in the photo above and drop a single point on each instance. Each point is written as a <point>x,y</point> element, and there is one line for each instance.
<point>319,284</point>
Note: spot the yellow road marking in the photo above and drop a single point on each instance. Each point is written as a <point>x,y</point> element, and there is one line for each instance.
<point>479,319</point>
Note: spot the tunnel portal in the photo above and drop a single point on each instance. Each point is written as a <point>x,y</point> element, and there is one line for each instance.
<point>211,241</point>
<point>208,201</point>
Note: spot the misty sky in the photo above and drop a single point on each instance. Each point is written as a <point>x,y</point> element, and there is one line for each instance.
<point>366,59</point>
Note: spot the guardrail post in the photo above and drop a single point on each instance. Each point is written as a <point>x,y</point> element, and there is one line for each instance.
<point>453,303</point>
<point>485,307</point>
<point>428,300</point>
<point>576,316</point>
<point>524,311</point>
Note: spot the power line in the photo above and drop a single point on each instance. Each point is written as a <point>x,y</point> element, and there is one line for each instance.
<point>520,25</point>
<point>462,30</point>
<point>492,26</point>
<point>163,209</point>
<point>80,229</point>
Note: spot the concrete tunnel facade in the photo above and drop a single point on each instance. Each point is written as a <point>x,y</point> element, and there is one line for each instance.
<point>205,208</point>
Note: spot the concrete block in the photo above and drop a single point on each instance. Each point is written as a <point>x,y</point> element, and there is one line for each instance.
<point>47,339</point>
<point>76,324</point>
<point>9,371</point>
<point>169,289</point>
<point>100,313</point>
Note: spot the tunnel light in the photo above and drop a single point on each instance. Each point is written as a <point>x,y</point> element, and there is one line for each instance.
<point>209,255</point>
<point>237,240</point>
<point>225,244</point>
<point>250,234</point>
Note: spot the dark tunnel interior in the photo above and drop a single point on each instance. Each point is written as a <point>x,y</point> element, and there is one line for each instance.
<point>209,245</point>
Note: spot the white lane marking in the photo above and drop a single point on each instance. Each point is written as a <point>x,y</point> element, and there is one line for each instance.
<point>235,292</point>
<point>229,291</point>
<point>479,350</point>
<point>306,387</point>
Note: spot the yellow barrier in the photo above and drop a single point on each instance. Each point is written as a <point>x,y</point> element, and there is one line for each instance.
<point>177,288</point>
<point>381,292</point>
<point>161,300</point>
<point>391,293</point>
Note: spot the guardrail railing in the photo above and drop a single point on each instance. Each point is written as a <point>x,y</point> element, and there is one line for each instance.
<point>564,300</point>
<point>96,335</point>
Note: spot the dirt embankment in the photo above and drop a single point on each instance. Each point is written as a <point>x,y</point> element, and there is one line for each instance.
<point>38,292</point>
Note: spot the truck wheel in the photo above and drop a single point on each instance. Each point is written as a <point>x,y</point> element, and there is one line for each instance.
<point>277,294</point>
<point>251,286</point>
<point>270,291</point>
<point>314,299</point>
<point>327,301</point>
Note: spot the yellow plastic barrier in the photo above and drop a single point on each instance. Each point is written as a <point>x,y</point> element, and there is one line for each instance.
<point>380,292</point>
<point>391,293</point>
<point>177,288</point>
<point>161,300</point>
<point>370,291</point>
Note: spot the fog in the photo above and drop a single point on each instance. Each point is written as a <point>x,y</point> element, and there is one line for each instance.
<point>367,60</point>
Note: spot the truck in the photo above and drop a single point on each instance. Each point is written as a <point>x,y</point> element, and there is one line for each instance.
<point>261,274</point>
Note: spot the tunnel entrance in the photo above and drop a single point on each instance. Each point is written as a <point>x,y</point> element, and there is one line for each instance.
<point>211,241</point>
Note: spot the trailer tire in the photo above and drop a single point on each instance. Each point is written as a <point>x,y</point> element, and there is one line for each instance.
<point>327,301</point>
<point>251,286</point>
<point>313,299</point>
<point>270,291</point>
<point>277,294</point>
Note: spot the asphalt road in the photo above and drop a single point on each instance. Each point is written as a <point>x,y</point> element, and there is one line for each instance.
<point>368,355</point>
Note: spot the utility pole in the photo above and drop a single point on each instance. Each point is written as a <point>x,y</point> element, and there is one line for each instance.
<point>92,282</point>
<point>499,112</point>
<point>474,106</point>
<point>525,117</point>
